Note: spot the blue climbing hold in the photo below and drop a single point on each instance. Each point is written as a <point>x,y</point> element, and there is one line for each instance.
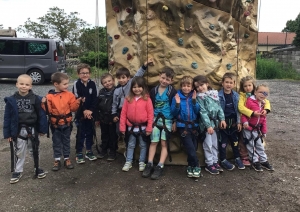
<point>246,35</point>
<point>125,50</point>
<point>180,41</point>
<point>121,22</point>
<point>110,39</point>
<point>189,6</point>
<point>228,66</point>
<point>194,65</point>
<point>211,26</point>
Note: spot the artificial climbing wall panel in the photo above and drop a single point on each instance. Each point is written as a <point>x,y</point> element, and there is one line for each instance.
<point>208,37</point>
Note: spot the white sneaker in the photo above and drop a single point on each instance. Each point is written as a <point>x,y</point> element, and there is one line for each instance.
<point>142,166</point>
<point>127,166</point>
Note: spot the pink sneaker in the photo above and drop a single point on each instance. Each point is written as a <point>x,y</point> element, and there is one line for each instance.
<point>246,162</point>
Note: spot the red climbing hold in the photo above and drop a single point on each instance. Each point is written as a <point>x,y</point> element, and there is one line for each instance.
<point>128,9</point>
<point>111,63</point>
<point>129,56</point>
<point>116,36</point>
<point>247,13</point>
<point>116,9</point>
<point>129,33</point>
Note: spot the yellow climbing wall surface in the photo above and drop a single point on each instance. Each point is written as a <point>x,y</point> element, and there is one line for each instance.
<point>208,37</point>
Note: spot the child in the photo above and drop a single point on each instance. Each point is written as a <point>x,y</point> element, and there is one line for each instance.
<point>86,88</point>
<point>59,104</point>
<point>247,87</point>
<point>211,115</point>
<point>108,128</point>
<point>23,119</point>
<point>185,109</point>
<point>161,97</point>
<point>229,103</point>
<point>137,116</point>
<point>255,127</point>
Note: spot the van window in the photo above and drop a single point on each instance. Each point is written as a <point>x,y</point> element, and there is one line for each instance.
<point>37,48</point>
<point>12,47</point>
<point>60,48</point>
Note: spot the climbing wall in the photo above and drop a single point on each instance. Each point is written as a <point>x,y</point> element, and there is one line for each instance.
<point>208,37</point>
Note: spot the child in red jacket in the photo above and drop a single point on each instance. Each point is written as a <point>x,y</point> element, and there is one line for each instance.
<point>137,116</point>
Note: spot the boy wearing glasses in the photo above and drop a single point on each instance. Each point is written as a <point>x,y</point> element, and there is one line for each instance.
<point>84,87</point>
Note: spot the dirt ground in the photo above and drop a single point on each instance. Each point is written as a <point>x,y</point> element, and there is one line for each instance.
<point>102,186</point>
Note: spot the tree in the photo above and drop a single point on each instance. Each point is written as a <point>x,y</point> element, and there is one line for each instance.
<point>1,26</point>
<point>296,40</point>
<point>89,38</point>
<point>292,25</point>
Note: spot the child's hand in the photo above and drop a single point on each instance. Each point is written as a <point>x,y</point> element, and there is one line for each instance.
<point>245,125</point>
<point>210,130</point>
<point>88,114</point>
<point>239,127</point>
<point>194,95</point>
<point>177,98</point>
<point>149,62</point>
<point>174,127</point>
<point>223,125</point>
<point>148,133</point>
<point>44,99</point>
<point>256,113</point>
<point>116,119</point>
<point>263,112</point>
<point>10,139</point>
<point>82,99</point>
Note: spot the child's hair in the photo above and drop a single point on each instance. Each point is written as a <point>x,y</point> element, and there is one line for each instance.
<point>105,75</point>
<point>24,76</point>
<point>201,79</point>
<point>82,66</point>
<point>229,75</point>
<point>140,82</point>
<point>245,79</point>
<point>57,77</point>
<point>122,71</point>
<point>261,85</point>
<point>186,80</point>
<point>169,72</point>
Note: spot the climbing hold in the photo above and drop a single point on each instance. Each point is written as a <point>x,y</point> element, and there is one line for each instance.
<point>194,65</point>
<point>189,6</point>
<point>211,26</point>
<point>212,0</point>
<point>249,1</point>
<point>125,50</point>
<point>151,44</point>
<point>111,63</point>
<point>246,35</point>
<point>189,29</point>
<point>116,9</point>
<point>228,66</point>
<point>180,41</point>
<point>116,37</point>
<point>110,39</point>
<point>129,33</point>
<point>121,23</point>
<point>165,8</point>
<point>128,9</point>
<point>230,28</point>
<point>247,13</point>
<point>129,56</point>
<point>169,55</point>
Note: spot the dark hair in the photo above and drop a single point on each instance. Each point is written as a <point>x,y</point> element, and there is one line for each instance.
<point>82,66</point>
<point>229,75</point>
<point>140,82</point>
<point>202,79</point>
<point>122,71</point>
<point>105,75</point>
<point>245,79</point>
<point>57,77</point>
<point>169,72</point>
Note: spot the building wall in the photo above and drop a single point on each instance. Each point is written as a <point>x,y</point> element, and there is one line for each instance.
<point>289,56</point>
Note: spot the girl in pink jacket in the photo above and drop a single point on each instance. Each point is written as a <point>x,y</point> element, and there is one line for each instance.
<point>255,127</point>
<point>137,115</point>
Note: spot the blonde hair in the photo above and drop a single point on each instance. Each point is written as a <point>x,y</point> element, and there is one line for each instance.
<point>186,80</point>
<point>24,76</point>
<point>246,79</point>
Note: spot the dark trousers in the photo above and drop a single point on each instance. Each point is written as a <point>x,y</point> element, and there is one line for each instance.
<point>231,135</point>
<point>109,138</point>
<point>84,133</point>
<point>61,141</point>
<point>190,144</point>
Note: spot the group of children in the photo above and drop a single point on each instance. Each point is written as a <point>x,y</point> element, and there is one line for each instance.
<point>128,110</point>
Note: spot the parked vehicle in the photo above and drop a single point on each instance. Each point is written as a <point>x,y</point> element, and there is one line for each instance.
<point>39,58</point>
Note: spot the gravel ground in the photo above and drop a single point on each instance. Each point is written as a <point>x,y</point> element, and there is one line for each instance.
<point>102,186</point>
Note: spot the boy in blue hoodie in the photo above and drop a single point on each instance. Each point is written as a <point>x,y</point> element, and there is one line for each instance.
<point>186,109</point>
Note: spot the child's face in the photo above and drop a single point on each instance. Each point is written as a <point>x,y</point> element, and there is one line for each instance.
<point>137,90</point>
<point>228,85</point>
<point>186,88</point>
<point>201,87</point>
<point>62,86</point>
<point>164,81</point>
<point>248,86</point>
<point>122,80</point>
<point>24,85</point>
<point>84,74</point>
<point>261,93</point>
<point>108,83</point>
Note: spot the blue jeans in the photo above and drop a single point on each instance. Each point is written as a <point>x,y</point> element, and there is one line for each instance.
<point>131,146</point>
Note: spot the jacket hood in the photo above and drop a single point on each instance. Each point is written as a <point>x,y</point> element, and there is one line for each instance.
<point>30,93</point>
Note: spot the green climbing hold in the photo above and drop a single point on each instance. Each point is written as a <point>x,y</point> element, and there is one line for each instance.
<point>212,26</point>
<point>125,50</point>
<point>194,65</point>
<point>180,41</point>
<point>121,23</point>
<point>189,6</point>
<point>246,35</point>
<point>151,45</point>
<point>229,66</point>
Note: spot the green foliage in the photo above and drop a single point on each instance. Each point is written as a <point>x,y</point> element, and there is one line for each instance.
<point>292,25</point>
<point>91,37</point>
<point>98,59</point>
<point>271,69</point>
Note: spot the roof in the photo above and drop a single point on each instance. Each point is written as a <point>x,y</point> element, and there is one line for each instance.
<point>8,33</point>
<point>275,38</point>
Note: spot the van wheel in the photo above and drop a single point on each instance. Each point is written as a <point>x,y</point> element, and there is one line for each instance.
<point>37,76</point>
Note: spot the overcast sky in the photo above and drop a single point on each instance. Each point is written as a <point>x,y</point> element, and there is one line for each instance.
<point>273,13</point>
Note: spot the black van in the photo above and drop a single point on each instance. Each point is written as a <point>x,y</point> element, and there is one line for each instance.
<point>39,58</point>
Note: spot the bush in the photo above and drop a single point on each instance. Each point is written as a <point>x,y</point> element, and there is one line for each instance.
<point>98,59</point>
<point>271,69</point>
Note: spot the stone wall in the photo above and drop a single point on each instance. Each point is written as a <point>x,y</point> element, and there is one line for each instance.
<point>288,56</point>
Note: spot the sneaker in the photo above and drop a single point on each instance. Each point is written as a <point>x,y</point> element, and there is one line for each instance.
<point>127,166</point>
<point>90,155</point>
<point>111,158</point>
<point>142,166</point>
<point>267,166</point>
<point>148,170</point>
<point>218,167</point>
<point>257,167</point>
<point>239,163</point>
<point>227,165</point>
<point>211,169</point>
<point>68,164</point>
<point>189,171</point>
<point>246,162</point>
<point>158,171</point>
<point>101,155</point>
<point>16,176</point>
<point>79,158</point>
<point>41,173</point>
<point>56,165</point>
<point>196,172</point>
